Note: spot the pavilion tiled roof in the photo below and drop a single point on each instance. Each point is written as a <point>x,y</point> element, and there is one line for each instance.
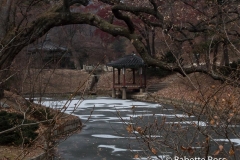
<point>48,46</point>
<point>127,61</point>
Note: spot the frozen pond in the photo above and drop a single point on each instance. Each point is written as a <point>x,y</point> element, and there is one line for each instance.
<point>106,137</point>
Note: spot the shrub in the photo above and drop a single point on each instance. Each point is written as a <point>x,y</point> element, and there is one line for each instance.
<point>23,134</point>
<point>42,114</point>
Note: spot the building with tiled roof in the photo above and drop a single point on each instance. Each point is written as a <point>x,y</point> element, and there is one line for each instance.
<point>138,68</point>
<point>50,55</point>
<point>128,61</point>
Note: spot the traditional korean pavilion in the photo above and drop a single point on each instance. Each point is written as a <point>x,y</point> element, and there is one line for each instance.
<point>51,54</point>
<point>136,65</point>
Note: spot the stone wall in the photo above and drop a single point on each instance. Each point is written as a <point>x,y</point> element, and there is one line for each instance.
<point>62,130</point>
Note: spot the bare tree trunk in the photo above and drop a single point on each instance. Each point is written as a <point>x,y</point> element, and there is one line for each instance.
<point>153,41</point>
<point>215,53</point>
<point>146,36</point>
<point>4,72</point>
<point>3,78</point>
<point>1,91</point>
<point>5,7</point>
<point>225,53</point>
<point>75,60</point>
<point>225,56</point>
<point>207,59</point>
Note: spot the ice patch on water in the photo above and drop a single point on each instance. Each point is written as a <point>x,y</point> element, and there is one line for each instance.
<point>193,123</point>
<point>115,149</point>
<point>114,104</point>
<point>237,141</point>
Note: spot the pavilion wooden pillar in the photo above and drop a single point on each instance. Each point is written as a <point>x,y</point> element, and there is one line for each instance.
<point>119,71</point>
<point>145,77</point>
<point>141,80</point>
<point>124,92</point>
<point>133,71</point>
<point>113,77</point>
<point>113,87</point>
<point>140,75</point>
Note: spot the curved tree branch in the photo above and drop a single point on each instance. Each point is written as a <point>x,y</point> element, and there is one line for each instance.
<point>126,19</point>
<point>138,10</point>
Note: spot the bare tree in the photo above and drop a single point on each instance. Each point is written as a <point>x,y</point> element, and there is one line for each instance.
<point>179,28</point>
<point>206,27</point>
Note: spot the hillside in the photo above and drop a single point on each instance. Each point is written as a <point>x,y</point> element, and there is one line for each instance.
<point>197,88</point>
<point>194,87</point>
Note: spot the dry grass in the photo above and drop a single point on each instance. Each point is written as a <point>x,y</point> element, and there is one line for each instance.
<point>195,87</point>
<point>53,81</point>
<point>12,152</point>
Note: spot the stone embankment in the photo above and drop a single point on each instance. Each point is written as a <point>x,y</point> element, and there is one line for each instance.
<point>62,131</point>
<point>64,126</point>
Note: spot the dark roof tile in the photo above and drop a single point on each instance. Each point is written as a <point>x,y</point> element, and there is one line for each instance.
<point>127,61</point>
<point>47,46</point>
